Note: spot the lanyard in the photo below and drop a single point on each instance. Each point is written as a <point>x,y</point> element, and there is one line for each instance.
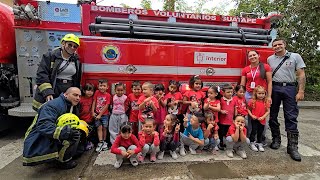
<point>255,73</point>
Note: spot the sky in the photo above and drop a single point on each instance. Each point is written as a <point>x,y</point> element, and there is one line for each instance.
<point>156,4</point>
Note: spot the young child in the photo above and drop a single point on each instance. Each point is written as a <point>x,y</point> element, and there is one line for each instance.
<point>241,100</point>
<point>258,109</point>
<point>236,138</point>
<point>148,104</point>
<point>161,113</point>
<point>125,146</point>
<point>86,102</point>
<point>133,106</point>
<point>101,102</point>
<point>169,137</point>
<point>119,109</point>
<point>212,103</point>
<point>226,114</point>
<point>174,100</point>
<point>192,135</point>
<point>210,132</point>
<point>149,140</point>
<point>195,96</point>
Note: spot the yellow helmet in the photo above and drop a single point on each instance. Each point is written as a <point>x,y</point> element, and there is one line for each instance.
<point>71,38</point>
<point>73,121</point>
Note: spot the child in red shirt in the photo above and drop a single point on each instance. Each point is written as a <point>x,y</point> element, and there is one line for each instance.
<point>125,146</point>
<point>226,114</point>
<point>236,138</point>
<point>212,103</point>
<point>149,140</point>
<point>210,132</point>
<point>241,101</point>
<point>194,97</point>
<point>258,109</point>
<point>148,104</point>
<point>161,113</point>
<point>169,137</point>
<point>133,106</point>
<point>101,102</point>
<point>85,110</point>
<point>174,102</point>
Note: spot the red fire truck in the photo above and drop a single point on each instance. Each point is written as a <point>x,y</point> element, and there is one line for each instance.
<point>124,44</point>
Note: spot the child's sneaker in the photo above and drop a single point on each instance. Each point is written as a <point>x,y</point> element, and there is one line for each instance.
<point>105,146</point>
<point>118,163</point>
<point>134,161</point>
<point>260,147</point>
<point>99,146</point>
<point>216,148</point>
<point>173,155</point>
<point>153,157</point>
<point>242,154</point>
<point>229,153</point>
<point>253,147</point>
<point>160,155</point>
<point>140,158</point>
<point>182,151</point>
<point>192,151</point>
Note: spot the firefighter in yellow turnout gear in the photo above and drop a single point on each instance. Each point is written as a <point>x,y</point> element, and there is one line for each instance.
<point>55,133</point>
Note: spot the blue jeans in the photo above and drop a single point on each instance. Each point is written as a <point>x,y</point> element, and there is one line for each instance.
<point>104,121</point>
<point>286,94</point>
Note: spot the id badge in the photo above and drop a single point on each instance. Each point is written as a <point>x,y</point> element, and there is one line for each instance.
<point>252,85</point>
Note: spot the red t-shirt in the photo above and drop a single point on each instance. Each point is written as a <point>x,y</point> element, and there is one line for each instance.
<point>213,104</point>
<point>102,99</point>
<point>227,119</point>
<point>232,130</point>
<point>134,107</point>
<point>148,138</point>
<point>174,97</point>
<point>213,130</point>
<point>85,109</point>
<point>194,96</point>
<point>257,79</point>
<point>147,110</point>
<point>241,105</point>
<point>259,109</point>
<point>121,142</point>
<point>161,113</point>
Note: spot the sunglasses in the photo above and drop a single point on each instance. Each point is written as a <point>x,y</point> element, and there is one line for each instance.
<point>72,46</point>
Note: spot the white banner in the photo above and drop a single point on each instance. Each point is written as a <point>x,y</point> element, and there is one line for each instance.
<point>210,58</point>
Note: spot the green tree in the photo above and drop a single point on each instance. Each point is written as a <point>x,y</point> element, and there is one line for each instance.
<point>125,5</point>
<point>146,4</point>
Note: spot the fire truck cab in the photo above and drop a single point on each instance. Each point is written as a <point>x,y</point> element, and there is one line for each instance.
<point>127,44</point>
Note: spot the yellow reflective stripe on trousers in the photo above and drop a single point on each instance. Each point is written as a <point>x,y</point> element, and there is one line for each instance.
<point>40,158</point>
<point>66,145</point>
<point>44,86</point>
<point>36,104</point>
<point>31,126</point>
<point>57,132</point>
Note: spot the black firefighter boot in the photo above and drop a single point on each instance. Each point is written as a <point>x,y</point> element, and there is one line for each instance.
<point>276,139</point>
<point>292,147</point>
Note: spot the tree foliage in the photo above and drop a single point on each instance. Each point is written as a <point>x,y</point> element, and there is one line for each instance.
<point>125,5</point>
<point>146,4</point>
<point>300,26</point>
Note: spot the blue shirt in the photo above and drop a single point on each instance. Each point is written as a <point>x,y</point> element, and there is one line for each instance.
<point>197,133</point>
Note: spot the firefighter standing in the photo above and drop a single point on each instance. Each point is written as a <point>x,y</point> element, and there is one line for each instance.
<point>285,67</point>
<point>58,70</point>
<point>45,141</point>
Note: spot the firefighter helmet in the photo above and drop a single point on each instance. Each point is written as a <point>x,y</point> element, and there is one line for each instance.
<point>71,38</point>
<point>73,121</point>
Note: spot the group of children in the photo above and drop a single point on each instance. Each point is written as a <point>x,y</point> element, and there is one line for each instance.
<point>148,121</point>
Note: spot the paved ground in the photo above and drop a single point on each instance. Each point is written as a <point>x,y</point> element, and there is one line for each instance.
<point>267,165</point>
